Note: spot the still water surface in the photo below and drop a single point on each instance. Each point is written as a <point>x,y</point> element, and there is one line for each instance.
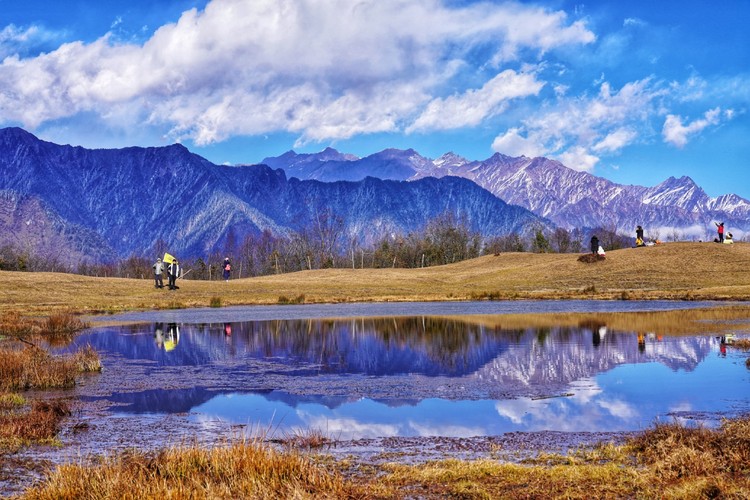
<point>414,375</point>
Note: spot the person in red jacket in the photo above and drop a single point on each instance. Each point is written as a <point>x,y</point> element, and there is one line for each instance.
<point>720,229</point>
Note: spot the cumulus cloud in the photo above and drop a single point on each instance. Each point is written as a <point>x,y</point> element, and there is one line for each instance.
<point>615,141</point>
<point>473,106</point>
<point>577,130</point>
<point>677,133</point>
<point>512,143</point>
<point>578,158</point>
<point>325,70</point>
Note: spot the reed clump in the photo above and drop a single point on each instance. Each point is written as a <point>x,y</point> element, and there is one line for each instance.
<point>678,452</point>
<point>32,367</point>
<point>62,324</point>
<point>13,324</point>
<point>299,299</point>
<point>308,439</point>
<point>39,424</point>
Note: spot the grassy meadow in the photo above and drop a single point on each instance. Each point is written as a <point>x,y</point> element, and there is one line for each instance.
<point>668,461</point>
<point>682,271</point>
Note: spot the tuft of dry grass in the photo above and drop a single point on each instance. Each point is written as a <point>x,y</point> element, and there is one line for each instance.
<point>10,401</point>
<point>32,367</point>
<point>307,439</point>
<point>40,424</point>
<point>299,299</point>
<point>87,360</point>
<point>12,324</point>
<point>64,324</point>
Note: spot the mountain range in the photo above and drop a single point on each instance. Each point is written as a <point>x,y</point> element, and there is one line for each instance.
<point>548,188</point>
<point>73,204</point>
<point>83,205</point>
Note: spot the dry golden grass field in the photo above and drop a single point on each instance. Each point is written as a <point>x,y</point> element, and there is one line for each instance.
<point>684,271</point>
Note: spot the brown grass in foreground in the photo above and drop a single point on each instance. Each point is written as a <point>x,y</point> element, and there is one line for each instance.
<point>243,470</point>
<point>668,461</point>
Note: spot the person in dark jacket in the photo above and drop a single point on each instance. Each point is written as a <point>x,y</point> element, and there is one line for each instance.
<point>639,237</point>
<point>594,245</point>
<point>227,267</point>
<point>173,272</point>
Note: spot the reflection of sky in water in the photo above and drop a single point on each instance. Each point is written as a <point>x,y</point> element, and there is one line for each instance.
<point>629,397</point>
<point>585,381</point>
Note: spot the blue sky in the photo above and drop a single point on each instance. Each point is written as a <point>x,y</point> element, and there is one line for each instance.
<point>631,91</point>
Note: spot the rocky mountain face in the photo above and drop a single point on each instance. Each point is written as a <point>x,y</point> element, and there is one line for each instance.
<point>121,202</point>
<point>549,189</point>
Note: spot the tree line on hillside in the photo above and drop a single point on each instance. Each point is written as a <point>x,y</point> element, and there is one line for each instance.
<point>323,244</point>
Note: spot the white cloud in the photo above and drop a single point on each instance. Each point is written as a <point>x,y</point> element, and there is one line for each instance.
<point>677,133</point>
<point>578,158</point>
<point>473,106</point>
<point>576,130</point>
<point>512,143</point>
<point>19,40</point>
<point>325,70</point>
<point>615,141</point>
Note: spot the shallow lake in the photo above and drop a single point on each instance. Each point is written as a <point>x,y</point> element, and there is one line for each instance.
<point>426,369</point>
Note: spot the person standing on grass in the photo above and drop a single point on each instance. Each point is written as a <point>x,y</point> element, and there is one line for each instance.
<point>158,268</point>
<point>720,230</point>
<point>227,267</point>
<point>173,272</point>
<point>639,236</point>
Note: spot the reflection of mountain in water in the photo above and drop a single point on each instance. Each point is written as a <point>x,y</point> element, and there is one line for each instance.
<point>185,400</point>
<point>158,400</point>
<point>392,346</point>
<point>563,355</point>
<point>541,359</point>
<point>379,347</point>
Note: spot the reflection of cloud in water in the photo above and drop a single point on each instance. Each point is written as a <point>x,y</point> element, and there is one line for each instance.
<point>682,406</point>
<point>585,390</point>
<point>345,428</point>
<point>584,409</point>
<point>619,409</point>
<point>425,430</point>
